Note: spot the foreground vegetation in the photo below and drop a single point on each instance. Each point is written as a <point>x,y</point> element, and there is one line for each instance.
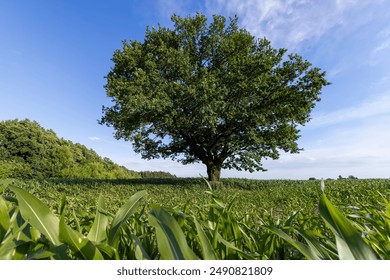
<point>186,219</point>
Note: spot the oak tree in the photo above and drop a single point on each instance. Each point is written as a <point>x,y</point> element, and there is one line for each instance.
<point>210,92</point>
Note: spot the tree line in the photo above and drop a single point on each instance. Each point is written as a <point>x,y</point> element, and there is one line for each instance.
<point>27,150</point>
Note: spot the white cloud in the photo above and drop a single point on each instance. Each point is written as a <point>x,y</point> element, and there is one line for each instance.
<point>94,138</point>
<point>370,108</point>
<point>294,22</point>
<point>353,141</point>
<point>362,151</point>
<point>382,49</point>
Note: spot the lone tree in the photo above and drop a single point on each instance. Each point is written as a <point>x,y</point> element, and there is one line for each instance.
<point>209,93</point>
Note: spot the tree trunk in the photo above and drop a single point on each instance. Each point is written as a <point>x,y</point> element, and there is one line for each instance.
<point>214,173</point>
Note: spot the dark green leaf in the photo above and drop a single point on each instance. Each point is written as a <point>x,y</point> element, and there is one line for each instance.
<point>350,244</point>
<point>171,241</point>
<point>98,232</point>
<point>78,242</point>
<point>123,214</point>
<point>207,249</point>
<point>38,214</point>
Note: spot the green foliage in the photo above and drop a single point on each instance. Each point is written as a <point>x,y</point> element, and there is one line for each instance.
<point>122,215</point>
<point>15,169</point>
<point>49,237</point>
<point>29,151</point>
<point>171,241</point>
<point>156,174</point>
<point>37,214</point>
<point>210,93</point>
<point>350,244</point>
<point>223,226</point>
<point>98,230</point>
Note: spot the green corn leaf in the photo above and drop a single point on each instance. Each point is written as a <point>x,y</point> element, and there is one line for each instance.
<point>235,229</point>
<point>214,241</point>
<point>212,218</point>
<point>303,248</point>
<point>35,234</point>
<point>140,252</point>
<point>234,248</point>
<point>13,246</point>
<point>108,251</point>
<point>78,242</point>
<point>290,219</point>
<point>4,183</point>
<point>207,249</point>
<point>316,246</point>
<point>171,241</point>
<point>123,214</point>
<point>41,254</point>
<point>98,231</point>
<point>10,247</point>
<point>38,214</point>
<point>76,221</point>
<point>229,207</point>
<point>62,205</point>
<point>19,253</point>
<point>387,217</point>
<point>4,218</point>
<point>350,245</point>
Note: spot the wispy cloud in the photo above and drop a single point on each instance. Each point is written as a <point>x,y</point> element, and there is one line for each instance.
<point>362,151</point>
<point>382,48</point>
<point>294,22</point>
<point>380,105</point>
<point>351,141</point>
<point>94,138</point>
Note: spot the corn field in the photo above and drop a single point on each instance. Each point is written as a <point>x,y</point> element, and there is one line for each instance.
<point>241,220</point>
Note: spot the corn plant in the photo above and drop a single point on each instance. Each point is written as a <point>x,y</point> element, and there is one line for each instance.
<point>30,230</point>
<point>349,243</point>
<point>216,229</point>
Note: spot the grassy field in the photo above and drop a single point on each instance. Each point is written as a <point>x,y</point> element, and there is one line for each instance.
<point>186,219</point>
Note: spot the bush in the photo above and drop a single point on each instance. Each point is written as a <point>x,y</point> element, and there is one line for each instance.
<point>13,169</point>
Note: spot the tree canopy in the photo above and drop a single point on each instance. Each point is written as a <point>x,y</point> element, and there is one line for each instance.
<point>29,151</point>
<point>210,93</point>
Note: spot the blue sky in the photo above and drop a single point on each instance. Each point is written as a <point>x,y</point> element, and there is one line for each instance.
<point>54,56</point>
